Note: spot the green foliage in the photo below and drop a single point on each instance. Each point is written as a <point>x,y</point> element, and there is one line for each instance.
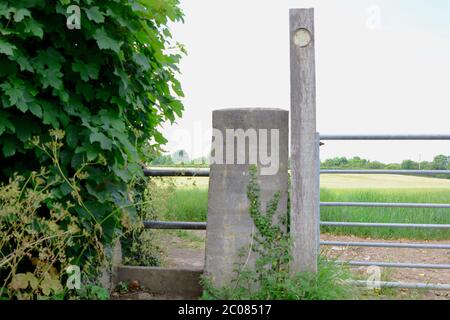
<point>270,278</point>
<point>122,287</point>
<point>187,204</point>
<point>36,244</point>
<point>108,85</point>
<point>140,246</point>
<point>92,292</point>
<point>440,162</point>
<point>179,158</point>
<point>327,284</point>
<point>162,160</point>
<point>27,267</point>
<point>409,165</point>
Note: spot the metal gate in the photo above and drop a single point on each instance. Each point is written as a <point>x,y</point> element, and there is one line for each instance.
<point>390,225</point>
<point>165,172</point>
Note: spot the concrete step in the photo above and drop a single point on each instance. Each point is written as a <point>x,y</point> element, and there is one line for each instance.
<point>161,283</point>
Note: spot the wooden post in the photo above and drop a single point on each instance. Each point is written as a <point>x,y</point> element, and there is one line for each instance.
<point>304,155</point>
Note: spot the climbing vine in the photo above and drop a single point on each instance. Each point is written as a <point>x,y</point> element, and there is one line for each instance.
<point>269,278</point>
<point>108,85</point>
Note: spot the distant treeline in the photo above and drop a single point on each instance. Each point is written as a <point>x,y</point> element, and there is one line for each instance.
<point>440,162</point>
<point>179,158</point>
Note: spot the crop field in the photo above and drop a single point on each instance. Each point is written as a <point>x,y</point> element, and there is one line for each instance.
<point>188,202</point>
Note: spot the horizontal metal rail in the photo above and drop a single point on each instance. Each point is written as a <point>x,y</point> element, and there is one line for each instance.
<point>204,172</point>
<point>394,264</point>
<point>385,137</point>
<point>387,245</point>
<point>175,225</point>
<point>405,172</point>
<point>386,205</point>
<point>383,225</point>
<point>176,172</point>
<point>401,285</point>
<point>202,225</point>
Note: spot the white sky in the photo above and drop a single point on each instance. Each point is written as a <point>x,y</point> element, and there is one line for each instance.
<point>393,77</point>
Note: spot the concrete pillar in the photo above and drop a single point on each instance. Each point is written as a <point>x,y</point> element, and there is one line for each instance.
<point>265,133</point>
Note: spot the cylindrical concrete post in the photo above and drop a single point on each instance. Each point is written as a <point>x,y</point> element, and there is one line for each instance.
<point>242,137</point>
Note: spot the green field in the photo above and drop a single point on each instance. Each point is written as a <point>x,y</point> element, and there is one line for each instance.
<point>188,202</point>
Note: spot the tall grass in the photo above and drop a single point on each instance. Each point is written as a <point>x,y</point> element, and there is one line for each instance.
<point>329,283</point>
<point>190,204</point>
<point>387,215</point>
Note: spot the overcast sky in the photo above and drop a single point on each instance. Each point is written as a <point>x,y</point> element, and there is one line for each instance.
<point>383,66</point>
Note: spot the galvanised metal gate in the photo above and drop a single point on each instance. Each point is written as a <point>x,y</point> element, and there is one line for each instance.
<point>163,172</point>
<point>390,225</point>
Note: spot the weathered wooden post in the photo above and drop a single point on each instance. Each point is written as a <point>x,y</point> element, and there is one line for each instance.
<point>242,137</point>
<point>304,154</point>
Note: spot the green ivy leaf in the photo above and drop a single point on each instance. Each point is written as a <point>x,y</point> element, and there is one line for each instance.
<point>5,10</point>
<point>177,107</point>
<point>9,148</point>
<point>34,28</point>
<point>22,60</point>
<point>48,66</point>
<point>86,70</point>
<point>17,93</point>
<point>5,123</point>
<point>20,14</point>
<point>72,136</point>
<point>105,142</point>
<point>14,94</point>
<point>91,151</point>
<point>142,61</point>
<point>35,109</point>
<point>51,78</point>
<point>105,42</point>
<point>50,115</point>
<point>159,138</point>
<point>7,48</point>
<point>95,15</point>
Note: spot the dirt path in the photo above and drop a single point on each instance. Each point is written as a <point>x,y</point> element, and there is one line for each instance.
<point>184,252</point>
<point>189,252</point>
<point>435,256</point>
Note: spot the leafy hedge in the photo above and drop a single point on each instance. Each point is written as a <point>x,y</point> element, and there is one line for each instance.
<point>108,86</point>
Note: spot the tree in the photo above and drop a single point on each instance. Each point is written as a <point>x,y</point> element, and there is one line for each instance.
<point>163,160</point>
<point>375,165</point>
<point>440,162</point>
<point>409,165</point>
<point>106,86</point>
<point>335,162</point>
